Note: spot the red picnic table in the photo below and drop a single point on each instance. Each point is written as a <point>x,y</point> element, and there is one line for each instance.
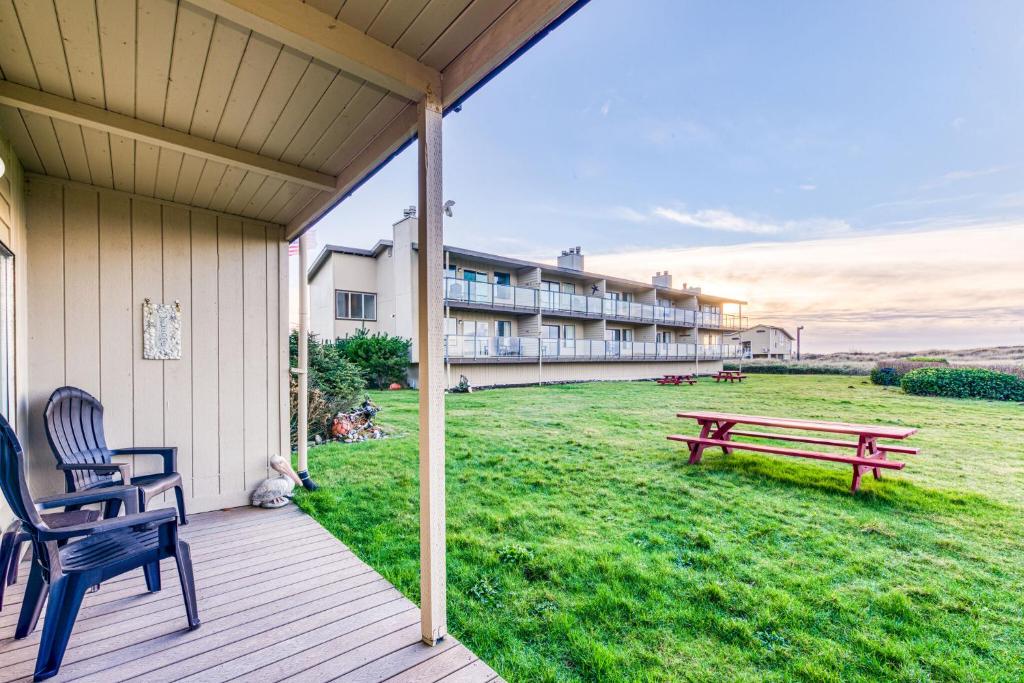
<point>677,379</point>
<point>729,376</point>
<point>718,429</point>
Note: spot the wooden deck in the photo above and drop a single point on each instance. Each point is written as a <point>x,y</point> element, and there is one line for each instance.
<point>280,599</point>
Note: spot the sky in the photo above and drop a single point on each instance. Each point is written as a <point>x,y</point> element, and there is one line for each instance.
<point>855,168</point>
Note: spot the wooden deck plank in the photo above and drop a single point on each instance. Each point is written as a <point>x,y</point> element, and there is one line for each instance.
<point>280,598</point>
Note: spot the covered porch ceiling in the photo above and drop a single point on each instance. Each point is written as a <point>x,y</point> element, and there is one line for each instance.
<point>270,109</point>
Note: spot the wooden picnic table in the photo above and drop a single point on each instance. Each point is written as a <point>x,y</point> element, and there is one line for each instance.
<point>729,376</point>
<point>677,379</point>
<point>718,429</point>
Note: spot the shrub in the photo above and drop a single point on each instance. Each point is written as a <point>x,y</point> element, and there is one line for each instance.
<point>382,358</point>
<point>964,383</point>
<point>928,359</point>
<point>889,373</point>
<point>335,384</point>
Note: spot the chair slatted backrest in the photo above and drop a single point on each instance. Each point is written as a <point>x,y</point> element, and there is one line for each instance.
<point>74,428</point>
<point>13,482</point>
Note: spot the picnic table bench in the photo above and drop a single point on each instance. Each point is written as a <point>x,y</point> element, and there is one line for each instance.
<point>677,379</point>
<point>718,430</point>
<point>729,376</point>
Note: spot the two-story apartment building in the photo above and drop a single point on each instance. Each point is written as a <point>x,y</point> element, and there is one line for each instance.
<point>510,321</point>
<point>764,341</point>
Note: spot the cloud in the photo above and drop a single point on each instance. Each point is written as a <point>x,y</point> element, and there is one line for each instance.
<point>962,174</point>
<point>807,187</point>
<point>606,107</point>
<point>724,220</point>
<point>958,123</point>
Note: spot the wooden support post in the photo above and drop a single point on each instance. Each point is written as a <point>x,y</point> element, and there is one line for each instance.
<point>433,589</point>
<point>302,371</point>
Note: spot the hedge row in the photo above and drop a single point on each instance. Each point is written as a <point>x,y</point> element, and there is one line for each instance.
<point>796,369</point>
<point>964,383</point>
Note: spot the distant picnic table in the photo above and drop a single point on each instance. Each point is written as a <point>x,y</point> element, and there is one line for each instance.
<point>729,376</point>
<point>677,379</point>
<point>718,429</point>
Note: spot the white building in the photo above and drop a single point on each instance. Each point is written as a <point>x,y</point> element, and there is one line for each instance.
<point>765,341</point>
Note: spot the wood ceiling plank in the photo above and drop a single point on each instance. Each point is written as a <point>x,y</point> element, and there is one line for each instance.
<point>328,7</point>
<point>430,24</point>
<point>14,127</point>
<point>226,50</point>
<point>304,197</point>
<point>188,178</point>
<point>463,31</point>
<point>249,186</point>
<point>97,153</point>
<point>42,34</point>
<point>81,35</point>
<point>15,60</point>
<point>146,159</point>
<point>342,89</point>
<point>167,169</point>
<point>229,183</point>
<point>191,46</point>
<point>310,90</point>
<point>351,116</point>
<point>153,66</point>
<point>72,148</point>
<point>280,86</point>
<point>262,197</point>
<point>366,131</point>
<point>278,201</point>
<point>117,50</point>
<point>360,14</point>
<point>122,160</point>
<point>260,56</point>
<point>394,19</point>
<point>209,181</point>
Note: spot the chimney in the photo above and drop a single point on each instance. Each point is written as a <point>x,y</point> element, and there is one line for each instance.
<point>571,258</point>
<point>661,279</point>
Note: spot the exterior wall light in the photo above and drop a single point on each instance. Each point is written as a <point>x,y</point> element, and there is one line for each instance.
<point>2,167</point>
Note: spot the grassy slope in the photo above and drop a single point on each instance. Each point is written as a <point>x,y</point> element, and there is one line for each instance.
<point>582,547</point>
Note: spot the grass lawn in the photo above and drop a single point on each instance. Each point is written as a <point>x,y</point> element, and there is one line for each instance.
<point>581,547</point>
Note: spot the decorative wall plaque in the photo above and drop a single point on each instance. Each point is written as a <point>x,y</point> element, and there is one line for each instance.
<point>161,331</point>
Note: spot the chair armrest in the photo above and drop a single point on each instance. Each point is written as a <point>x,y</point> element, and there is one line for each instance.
<point>168,453</point>
<point>129,495</point>
<point>101,526</point>
<point>123,467</point>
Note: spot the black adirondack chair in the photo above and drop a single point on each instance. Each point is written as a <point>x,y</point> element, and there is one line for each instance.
<point>94,552</point>
<point>16,536</point>
<point>74,428</point>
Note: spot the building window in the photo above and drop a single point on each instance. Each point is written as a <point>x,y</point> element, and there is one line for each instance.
<point>568,331</point>
<point>355,305</point>
<point>615,334</point>
<point>504,328</point>
<point>664,337</point>
<point>473,328</point>
<point>7,334</point>
<point>550,331</point>
<point>549,286</point>
<point>474,275</point>
<point>502,279</point>
<point>451,326</point>
<point>568,288</point>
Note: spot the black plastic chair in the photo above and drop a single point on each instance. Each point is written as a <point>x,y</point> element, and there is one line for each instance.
<point>74,428</point>
<point>95,551</point>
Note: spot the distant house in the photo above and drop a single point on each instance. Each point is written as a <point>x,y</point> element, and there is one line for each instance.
<point>765,341</point>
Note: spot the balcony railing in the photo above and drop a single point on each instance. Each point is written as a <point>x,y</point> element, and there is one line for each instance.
<point>463,347</point>
<point>512,297</point>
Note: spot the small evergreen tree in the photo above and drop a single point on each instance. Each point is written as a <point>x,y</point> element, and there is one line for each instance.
<point>382,358</point>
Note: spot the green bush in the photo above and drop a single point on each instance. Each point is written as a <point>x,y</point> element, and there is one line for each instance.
<point>889,373</point>
<point>964,383</point>
<point>382,358</point>
<point>335,384</point>
<point>928,359</point>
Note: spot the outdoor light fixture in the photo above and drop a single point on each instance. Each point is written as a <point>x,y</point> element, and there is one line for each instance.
<point>448,208</point>
<point>2,168</point>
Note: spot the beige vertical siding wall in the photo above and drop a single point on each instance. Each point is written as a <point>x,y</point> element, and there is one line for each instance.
<point>96,256</point>
<point>13,236</point>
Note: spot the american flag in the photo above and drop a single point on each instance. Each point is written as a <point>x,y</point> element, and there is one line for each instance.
<point>293,247</point>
